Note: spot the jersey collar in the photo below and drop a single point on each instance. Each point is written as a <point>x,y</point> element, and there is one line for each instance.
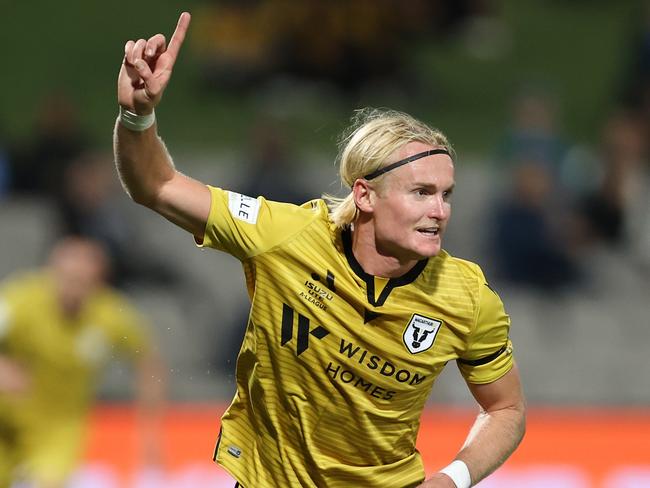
<point>407,278</point>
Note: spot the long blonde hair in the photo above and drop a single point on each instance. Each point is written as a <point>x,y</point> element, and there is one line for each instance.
<point>373,136</point>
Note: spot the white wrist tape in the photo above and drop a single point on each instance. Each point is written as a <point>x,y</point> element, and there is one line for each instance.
<point>135,122</point>
<point>459,473</point>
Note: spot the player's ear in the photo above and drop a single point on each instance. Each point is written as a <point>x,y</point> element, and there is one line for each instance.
<point>364,195</point>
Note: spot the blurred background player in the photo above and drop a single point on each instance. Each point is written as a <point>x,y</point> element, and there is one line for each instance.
<point>58,327</point>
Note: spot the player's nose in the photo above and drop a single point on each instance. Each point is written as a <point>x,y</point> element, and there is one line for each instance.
<point>437,208</point>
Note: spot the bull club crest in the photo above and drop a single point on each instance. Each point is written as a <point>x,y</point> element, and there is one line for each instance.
<point>420,333</point>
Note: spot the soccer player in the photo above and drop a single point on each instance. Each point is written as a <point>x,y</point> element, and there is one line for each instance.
<point>355,306</point>
<point>58,327</point>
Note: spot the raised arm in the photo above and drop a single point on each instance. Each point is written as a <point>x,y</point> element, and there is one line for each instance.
<point>143,163</point>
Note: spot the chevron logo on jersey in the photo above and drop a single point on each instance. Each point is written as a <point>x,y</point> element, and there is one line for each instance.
<point>420,333</point>
<point>302,340</point>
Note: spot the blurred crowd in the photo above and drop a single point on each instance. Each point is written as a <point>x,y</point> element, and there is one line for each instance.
<point>563,199</point>
<point>557,200</point>
<point>556,207</point>
<point>350,45</point>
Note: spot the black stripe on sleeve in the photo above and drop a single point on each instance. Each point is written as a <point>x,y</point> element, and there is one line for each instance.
<point>483,360</point>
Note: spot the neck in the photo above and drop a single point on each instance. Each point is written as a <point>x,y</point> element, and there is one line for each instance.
<point>373,259</point>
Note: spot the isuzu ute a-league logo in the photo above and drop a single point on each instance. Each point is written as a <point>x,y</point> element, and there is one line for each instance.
<point>420,333</point>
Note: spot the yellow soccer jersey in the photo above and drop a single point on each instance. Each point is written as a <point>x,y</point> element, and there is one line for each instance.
<point>336,364</point>
<point>61,356</point>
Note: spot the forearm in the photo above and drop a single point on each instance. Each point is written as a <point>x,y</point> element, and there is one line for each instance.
<point>151,382</point>
<point>492,439</point>
<point>149,177</point>
<point>13,377</point>
<point>143,163</point>
<point>150,405</point>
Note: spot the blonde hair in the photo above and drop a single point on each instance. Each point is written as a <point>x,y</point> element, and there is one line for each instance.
<point>373,136</point>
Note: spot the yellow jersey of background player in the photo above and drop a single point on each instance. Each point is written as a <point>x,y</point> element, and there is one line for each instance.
<point>336,364</point>
<point>59,327</point>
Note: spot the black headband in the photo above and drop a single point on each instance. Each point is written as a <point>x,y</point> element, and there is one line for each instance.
<point>404,161</point>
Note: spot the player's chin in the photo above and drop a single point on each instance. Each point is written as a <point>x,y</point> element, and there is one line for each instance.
<point>428,247</point>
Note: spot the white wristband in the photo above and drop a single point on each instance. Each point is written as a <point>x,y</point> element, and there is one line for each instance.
<point>459,473</point>
<point>135,122</point>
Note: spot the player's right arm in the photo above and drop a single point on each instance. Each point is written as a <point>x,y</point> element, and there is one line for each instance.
<point>142,161</point>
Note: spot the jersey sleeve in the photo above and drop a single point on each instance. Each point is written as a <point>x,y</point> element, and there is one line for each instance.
<point>489,353</point>
<point>245,227</point>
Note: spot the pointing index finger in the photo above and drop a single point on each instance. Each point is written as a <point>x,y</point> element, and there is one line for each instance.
<point>179,35</point>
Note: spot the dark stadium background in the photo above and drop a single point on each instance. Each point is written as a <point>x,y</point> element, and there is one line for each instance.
<point>266,121</point>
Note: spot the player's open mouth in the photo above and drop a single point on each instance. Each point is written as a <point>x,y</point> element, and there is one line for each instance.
<point>432,231</point>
